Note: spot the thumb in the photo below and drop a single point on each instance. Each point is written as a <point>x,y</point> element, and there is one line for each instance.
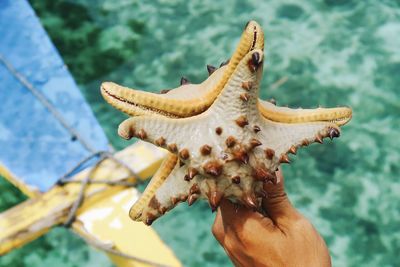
<point>277,205</point>
<point>230,218</point>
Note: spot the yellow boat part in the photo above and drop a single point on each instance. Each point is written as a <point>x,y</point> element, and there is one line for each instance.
<point>103,217</point>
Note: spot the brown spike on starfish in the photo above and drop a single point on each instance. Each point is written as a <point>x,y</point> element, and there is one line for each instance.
<point>262,174</point>
<point>284,159</point>
<point>213,168</point>
<point>318,139</point>
<point>293,150</point>
<point>255,142</point>
<point>224,63</point>
<point>236,179</point>
<point>245,97</point>
<point>160,142</point>
<point>256,60</point>
<point>269,153</point>
<point>192,199</point>
<point>142,134</point>
<point>247,85</point>
<point>272,101</point>
<point>184,154</point>
<point>172,147</point>
<point>250,201</point>
<point>192,172</point>
<point>215,199</point>
<point>165,91</point>
<point>175,200</point>
<point>150,219</point>
<point>154,203</point>
<point>241,156</point>
<point>305,142</point>
<point>242,121</point>
<point>128,133</point>
<point>181,163</point>
<point>333,132</point>
<point>162,210</point>
<point>256,129</point>
<point>230,141</point>
<point>205,150</point>
<point>218,130</point>
<point>195,189</point>
<point>210,69</point>
<point>184,81</point>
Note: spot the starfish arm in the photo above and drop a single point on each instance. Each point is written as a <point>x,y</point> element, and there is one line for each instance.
<point>141,102</point>
<point>115,95</point>
<point>190,91</point>
<point>166,189</point>
<point>157,180</point>
<point>134,102</point>
<point>283,138</point>
<point>339,115</point>
<point>240,95</point>
<point>168,133</point>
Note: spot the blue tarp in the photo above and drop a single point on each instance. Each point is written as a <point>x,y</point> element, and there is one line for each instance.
<point>34,145</point>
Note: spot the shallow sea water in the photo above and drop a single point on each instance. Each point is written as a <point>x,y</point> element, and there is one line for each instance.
<point>328,53</point>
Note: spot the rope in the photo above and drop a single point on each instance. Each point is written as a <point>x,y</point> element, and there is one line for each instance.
<point>72,212</point>
<point>103,155</point>
<point>42,98</point>
<point>111,183</point>
<point>78,202</point>
<point>64,178</point>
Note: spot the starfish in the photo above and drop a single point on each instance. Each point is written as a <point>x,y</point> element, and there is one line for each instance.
<point>223,140</point>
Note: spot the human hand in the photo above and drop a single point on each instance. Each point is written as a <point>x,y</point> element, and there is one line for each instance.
<point>283,237</point>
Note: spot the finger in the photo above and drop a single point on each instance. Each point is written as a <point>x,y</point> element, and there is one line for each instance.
<point>218,227</point>
<point>277,204</point>
<point>227,220</point>
<point>232,213</point>
<point>235,217</point>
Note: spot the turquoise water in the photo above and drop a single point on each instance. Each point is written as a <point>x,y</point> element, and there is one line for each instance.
<point>329,53</point>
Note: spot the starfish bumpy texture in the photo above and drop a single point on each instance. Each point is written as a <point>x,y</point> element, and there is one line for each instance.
<point>223,140</point>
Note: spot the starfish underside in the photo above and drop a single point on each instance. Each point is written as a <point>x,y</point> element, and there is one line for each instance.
<point>223,140</point>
